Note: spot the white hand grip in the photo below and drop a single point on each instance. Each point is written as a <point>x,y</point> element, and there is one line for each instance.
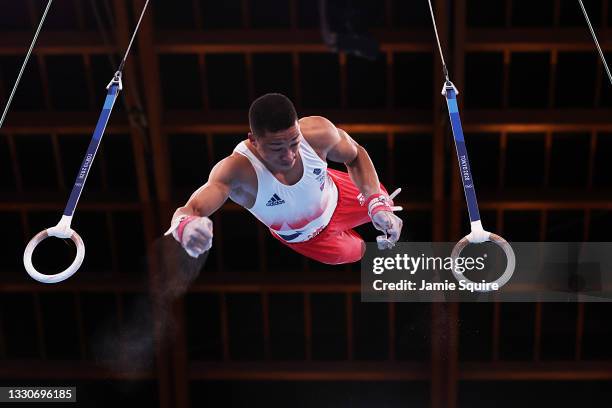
<point>502,243</point>
<point>60,231</point>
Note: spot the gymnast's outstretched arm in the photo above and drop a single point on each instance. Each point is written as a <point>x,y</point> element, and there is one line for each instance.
<point>190,224</point>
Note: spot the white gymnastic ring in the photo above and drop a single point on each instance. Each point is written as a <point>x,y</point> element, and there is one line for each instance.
<point>58,277</point>
<point>503,244</point>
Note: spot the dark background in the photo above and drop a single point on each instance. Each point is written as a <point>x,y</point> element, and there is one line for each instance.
<point>261,325</point>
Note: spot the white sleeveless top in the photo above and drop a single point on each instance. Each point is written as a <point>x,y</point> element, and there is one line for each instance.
<point>298,212</point>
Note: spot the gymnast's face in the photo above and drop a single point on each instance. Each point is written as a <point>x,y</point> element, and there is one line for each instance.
<point>279,149</point>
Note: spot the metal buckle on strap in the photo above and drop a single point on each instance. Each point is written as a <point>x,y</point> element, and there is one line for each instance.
<point>449,85</point>
<point>116,81</point>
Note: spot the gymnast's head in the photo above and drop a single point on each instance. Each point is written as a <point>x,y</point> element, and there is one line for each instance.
<point>275,132</point>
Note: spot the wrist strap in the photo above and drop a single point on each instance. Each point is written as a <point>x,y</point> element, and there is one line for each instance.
<point>182,224</point>
<point>378,202</point>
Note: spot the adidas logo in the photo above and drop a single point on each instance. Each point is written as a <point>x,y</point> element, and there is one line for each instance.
<point>275,200</point>
<point>317,172</point>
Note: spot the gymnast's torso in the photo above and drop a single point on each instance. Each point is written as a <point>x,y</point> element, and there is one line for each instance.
<point>295,205</point>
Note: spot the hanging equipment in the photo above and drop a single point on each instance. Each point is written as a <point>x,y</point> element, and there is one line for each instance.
<point>62,229</point>
<point>477,234</point>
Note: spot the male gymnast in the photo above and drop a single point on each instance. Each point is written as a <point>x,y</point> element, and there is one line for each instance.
<point>280,175</point>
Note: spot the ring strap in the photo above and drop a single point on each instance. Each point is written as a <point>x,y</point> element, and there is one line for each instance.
<point>79,183</point>
<point>450,93</point>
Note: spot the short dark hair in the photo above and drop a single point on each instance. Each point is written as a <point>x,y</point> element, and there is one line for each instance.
<point>271,112</point>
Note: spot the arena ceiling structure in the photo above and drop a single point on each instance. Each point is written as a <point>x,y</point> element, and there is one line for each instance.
<point>256,324</point>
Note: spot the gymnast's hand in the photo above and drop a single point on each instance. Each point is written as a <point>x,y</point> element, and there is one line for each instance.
<point>380,209</point>
<point>194,233</point>
<point>391,225</point>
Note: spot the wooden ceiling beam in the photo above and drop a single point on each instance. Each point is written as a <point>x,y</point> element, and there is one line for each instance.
<point>317,371</point>
<point>526,371</point>
<point>309,40</point>
<point>310,371</point>
<point>59,203</point>
<point>359,121</point>
<point>534,39</point>
<point>67,370</point>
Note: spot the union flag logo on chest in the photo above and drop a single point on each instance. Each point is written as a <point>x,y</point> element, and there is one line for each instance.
<point>320,177</point>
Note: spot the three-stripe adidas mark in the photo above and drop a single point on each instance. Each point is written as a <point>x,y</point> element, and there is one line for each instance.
<point>275,200</point>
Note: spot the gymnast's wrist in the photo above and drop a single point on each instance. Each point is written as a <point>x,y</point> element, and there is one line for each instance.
<point>182,224</point>
<point>378,202</point>
<point>178,224</point>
